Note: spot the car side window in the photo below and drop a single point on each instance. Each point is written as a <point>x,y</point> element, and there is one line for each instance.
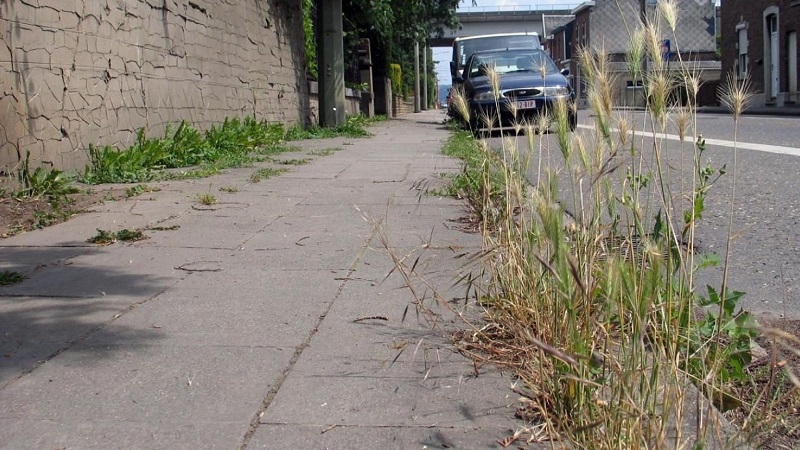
<point>477,68</point>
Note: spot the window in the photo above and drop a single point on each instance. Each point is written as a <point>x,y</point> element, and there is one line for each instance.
<point>741,70</point>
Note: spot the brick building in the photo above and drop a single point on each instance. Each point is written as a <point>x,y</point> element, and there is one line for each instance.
<point>559,45</point>
<point>606,24</point>
<point>759,38</point>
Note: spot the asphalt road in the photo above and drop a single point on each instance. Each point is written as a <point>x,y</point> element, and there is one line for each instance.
<point>765,259</point>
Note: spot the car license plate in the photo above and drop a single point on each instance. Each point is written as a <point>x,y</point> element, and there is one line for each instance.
<point>526,104</point>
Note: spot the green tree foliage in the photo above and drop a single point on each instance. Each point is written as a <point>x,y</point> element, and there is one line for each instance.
<point>393,26</point>
<point>396,75</point>
<point>309,13</point>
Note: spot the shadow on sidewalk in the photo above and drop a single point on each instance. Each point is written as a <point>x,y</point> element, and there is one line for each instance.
<point>62,302</point>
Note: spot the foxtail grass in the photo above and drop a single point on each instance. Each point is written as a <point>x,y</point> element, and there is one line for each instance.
<point>590,256</point>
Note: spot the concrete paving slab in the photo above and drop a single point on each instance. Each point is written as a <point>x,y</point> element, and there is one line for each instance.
<point>153,205</point>
<point>236,307</point>
<point>306,250</point>
<point>362,437</point>
<point>379,194</point>
<point>33,329</point>
<point>67,234</point>
<point>147,383</point>
<point>118,269</point>
<point>329,169</point>
<point>26,260</point>
<point>376,172</point>
<point>221,227</point>
<point>104,434</point>
<point>337,218</point>
<point>387,401</point>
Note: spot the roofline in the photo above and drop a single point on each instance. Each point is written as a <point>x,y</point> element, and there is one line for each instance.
<point>503,50</point>
<point>466,38</point>
<point>582,6</point>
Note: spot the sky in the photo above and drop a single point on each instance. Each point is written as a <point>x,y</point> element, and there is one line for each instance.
<point>443,55</point>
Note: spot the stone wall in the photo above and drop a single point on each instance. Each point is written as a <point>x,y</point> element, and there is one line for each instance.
<point>80,72</point>
<point>401,107</point>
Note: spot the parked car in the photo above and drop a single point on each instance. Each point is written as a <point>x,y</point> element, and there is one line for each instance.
<point>528,79</point>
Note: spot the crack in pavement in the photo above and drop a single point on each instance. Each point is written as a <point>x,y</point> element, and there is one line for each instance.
<point>273,392</point>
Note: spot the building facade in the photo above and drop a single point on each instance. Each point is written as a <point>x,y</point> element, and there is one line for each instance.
<point>607,25</point>
<point>759,40</point>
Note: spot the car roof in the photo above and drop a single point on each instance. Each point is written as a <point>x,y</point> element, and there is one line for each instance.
<point>509,50</point>
<point>481,36</point>
<point>506,50</point>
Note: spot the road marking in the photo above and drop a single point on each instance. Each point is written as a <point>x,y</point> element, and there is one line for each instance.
<point>793,151</point>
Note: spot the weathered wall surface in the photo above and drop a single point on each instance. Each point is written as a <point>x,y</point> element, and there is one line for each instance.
<point>611,21</point>
<point>75,72</point>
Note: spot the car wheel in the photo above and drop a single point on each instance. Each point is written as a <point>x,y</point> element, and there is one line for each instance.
<point>573,120</point>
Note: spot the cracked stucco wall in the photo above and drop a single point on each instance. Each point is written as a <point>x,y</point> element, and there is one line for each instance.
<point>80,72</point>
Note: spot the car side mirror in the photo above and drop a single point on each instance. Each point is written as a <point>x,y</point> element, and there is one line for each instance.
<point>453,68</point>
<point>565,72</point>
<point>458,79</point>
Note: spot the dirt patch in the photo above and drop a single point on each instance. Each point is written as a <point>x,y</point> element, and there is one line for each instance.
<point>25,214</point>
<point>770,394</point>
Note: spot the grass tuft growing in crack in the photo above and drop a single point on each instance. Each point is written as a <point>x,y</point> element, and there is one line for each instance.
<point>105,237</point>
<point>589,249</point>
<point>263,174</point>
<point>9,277</point>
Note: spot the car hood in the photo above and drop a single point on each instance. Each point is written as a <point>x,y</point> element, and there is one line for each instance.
<point>518,80</point>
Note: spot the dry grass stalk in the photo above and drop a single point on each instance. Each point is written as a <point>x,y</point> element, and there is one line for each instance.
<point>590,298</point>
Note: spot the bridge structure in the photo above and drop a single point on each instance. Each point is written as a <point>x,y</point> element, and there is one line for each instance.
<point>510,19</point>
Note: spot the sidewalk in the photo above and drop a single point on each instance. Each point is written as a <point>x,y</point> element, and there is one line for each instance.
<point>249,325</point>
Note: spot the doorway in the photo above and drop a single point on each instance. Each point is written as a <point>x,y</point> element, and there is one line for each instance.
<point>791,51</point>
<point>774,54</point>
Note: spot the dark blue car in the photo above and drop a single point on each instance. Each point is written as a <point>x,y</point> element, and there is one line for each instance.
<point>528,79</point>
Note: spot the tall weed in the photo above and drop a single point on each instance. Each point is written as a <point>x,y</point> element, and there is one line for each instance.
<point>590,249</point>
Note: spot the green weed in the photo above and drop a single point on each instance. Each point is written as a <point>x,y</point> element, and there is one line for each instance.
<point>42,182</point>
<point>207,198</point>
<point>277,148</point>
<point>325,151</point>
<point>229,189</point>
<point>139,189</point>
<point>353,127</point>
<point>263,174</point>
<point>294,162</point>
<point>104,237</point>
<point>8,277</point>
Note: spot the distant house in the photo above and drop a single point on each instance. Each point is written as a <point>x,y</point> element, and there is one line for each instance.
<point>759,38</point>
<point>608,23</point>
<point>559,45</point>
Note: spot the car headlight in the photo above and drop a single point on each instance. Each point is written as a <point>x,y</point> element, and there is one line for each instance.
<point>554,91</point>
<point>483,96</point>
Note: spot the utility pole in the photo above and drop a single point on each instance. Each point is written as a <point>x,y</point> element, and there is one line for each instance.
<point>330,61</point>
<point>416,77</point>
<point>424,96</point>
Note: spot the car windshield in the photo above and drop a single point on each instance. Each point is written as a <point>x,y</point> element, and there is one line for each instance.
<point>509,62</point>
